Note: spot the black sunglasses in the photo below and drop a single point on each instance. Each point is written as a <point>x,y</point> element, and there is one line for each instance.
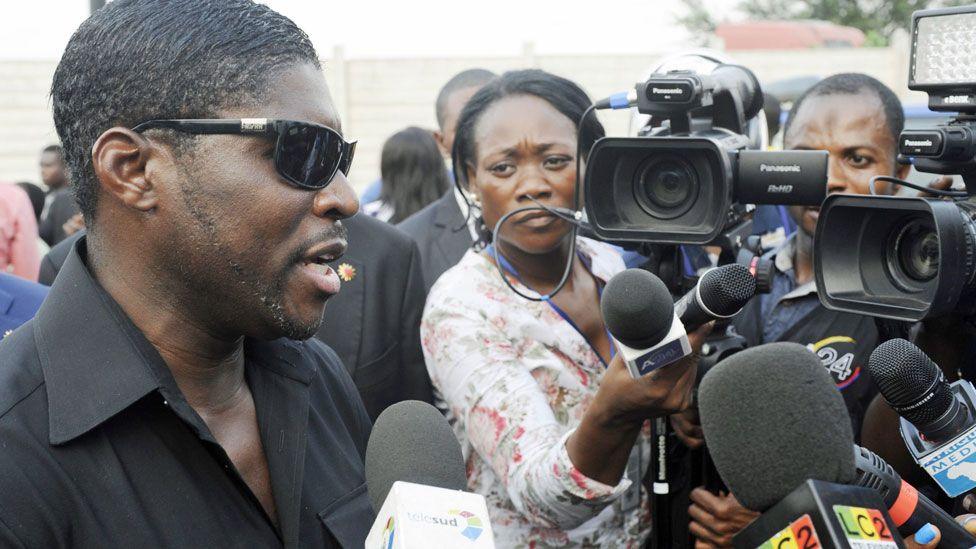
<point>307,155</point>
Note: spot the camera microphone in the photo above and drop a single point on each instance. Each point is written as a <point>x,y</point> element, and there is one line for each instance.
<point>937,420</point>
<point>719,294</point>
<point>769,415</point>
<point>415,477</point>
<point>640,315</point>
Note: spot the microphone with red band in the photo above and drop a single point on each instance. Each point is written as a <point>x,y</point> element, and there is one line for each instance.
<point>909,509</point>
<point>769,415</point>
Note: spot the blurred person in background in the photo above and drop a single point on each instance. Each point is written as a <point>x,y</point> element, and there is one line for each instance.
<point>19,253</point>
<point>413,175</point>
<point>548,417</point>
<point>61,217</point>
<point>446,229</point>
<point>36,195</point>
<point>19,301</point>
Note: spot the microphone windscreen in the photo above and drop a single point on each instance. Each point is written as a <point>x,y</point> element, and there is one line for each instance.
<point>411,441</point>
<point>772,419</point>
<point>906,377</point>
<point>637,308</point>
<point>725,290</point>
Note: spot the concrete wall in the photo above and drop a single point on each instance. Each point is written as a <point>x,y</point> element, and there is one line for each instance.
<point>377,97</point>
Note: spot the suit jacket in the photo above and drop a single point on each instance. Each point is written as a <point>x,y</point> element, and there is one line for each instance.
<point>61,210</point>
<point>51,263</point>
<point>373,324</point>
<point>19,300</point>
<point>442,235</point>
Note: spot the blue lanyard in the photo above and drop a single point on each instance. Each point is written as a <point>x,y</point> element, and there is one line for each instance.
<point>784,217</point>
<point>490,250</point>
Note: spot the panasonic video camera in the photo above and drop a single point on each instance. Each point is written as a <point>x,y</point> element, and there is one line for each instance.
<point>688,181</point>
<point>914,258</point>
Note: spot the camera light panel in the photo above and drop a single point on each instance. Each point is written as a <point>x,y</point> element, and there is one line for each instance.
<point>945,50</point>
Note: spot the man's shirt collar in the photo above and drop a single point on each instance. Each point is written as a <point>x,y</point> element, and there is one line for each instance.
<point>97,363</point>
<point>783,261</point>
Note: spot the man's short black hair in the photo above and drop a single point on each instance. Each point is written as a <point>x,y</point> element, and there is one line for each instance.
<point>136,60</point>
<point>53,149</point>
<point>853,83</point>
<point>464,79</point>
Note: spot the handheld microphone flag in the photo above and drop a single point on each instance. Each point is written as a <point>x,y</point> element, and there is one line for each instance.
<point>415,477</point>
<point>937,420</point>
<point>639,314</point>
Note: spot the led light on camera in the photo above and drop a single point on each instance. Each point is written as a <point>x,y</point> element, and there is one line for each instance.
<point>945,49</point>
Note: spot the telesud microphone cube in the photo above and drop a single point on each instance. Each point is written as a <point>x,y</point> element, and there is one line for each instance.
<point>414,515</point>
<point>820,514</point>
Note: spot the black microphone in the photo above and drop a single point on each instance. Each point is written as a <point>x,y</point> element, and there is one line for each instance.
<point>774,420</point>
<point>719,294</point>
<point>916,388</point>
<point>937,420</point>
<point>638,311</point>
<point>415,477</point>
<point>403,445</point>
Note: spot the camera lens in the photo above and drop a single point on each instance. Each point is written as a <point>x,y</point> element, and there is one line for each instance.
<point>914,254</point>
<point>666,186</point>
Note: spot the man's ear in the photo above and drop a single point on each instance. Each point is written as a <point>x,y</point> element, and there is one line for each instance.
<point>439,137</point>
<point>119,157</point>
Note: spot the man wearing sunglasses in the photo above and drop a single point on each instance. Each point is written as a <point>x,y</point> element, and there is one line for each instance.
<point>164,394</point>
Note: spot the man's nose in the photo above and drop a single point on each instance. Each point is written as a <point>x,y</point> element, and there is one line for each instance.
<point>337,200</point>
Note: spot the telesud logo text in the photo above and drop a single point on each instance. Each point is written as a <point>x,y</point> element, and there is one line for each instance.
<point>471,526</point>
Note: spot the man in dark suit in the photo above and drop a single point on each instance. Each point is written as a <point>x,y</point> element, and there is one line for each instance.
<point>19,300</point>
<point>60,217</point>
<point>373,323</point>
<point>443,230</point>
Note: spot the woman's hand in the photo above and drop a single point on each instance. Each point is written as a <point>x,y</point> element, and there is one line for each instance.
<point>601,444</point>
<point>623,400</point>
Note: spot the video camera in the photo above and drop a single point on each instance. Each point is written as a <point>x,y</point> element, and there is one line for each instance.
<point>914,258</point>
<point>690,180</point>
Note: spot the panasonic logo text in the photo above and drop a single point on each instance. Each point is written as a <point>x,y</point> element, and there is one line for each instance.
<point>667,91</point>
<point>911,143</point>
<point>789,168</point>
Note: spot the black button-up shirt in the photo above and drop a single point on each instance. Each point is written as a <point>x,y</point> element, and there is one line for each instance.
<point>99,448</point>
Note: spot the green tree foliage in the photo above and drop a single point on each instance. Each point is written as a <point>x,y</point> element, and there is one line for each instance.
<point>877,18</point>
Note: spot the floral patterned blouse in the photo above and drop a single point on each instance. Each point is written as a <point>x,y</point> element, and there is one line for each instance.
<point>515,379</point>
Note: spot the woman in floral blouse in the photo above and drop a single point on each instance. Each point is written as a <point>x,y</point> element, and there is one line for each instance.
<point>551,423</point>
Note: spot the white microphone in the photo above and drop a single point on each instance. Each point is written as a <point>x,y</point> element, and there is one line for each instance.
<point>416,480</point>
<point>639,314</point>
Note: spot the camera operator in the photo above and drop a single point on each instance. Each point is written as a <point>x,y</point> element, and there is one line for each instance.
<point>547,416</point>
<point>857,119</point>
